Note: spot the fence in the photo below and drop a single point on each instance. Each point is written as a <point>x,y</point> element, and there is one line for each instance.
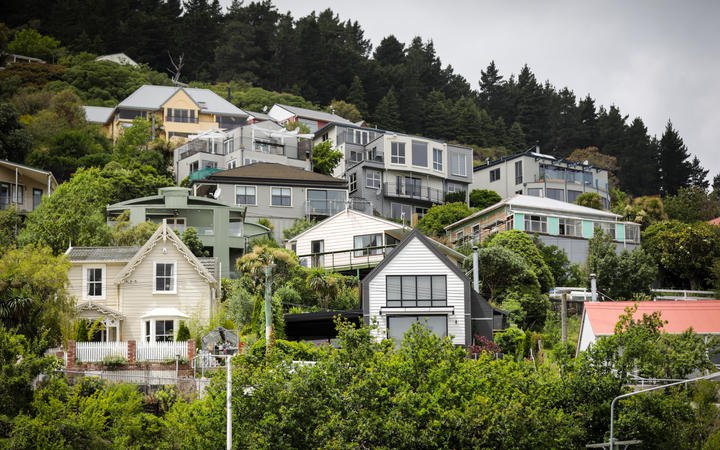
<point>97,351</point>
<point>161,351</point>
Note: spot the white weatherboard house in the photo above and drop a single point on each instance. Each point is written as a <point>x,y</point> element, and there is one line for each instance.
<point>142,293</point>
<point>349,239</point>
<point>418,283</point>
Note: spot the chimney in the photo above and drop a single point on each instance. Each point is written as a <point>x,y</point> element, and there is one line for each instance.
<point>593,287</point>
<point>476,270</point>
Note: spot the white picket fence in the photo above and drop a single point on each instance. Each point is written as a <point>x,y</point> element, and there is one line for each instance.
<point>161,351</point>
<point>97,351</point>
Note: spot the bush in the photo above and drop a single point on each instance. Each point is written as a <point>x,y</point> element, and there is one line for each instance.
<point>482,198</point>
<point>183,333</point>
<point>114,361</point>
<point>297,351</point>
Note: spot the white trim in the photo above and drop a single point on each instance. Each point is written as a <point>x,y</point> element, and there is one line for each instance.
<point>103,281</point>
<point>174,277</point>
<point>256,195</point>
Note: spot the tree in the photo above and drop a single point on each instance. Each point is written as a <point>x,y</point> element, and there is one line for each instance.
<point>325,158</point>
<point>10,225</point>
<point>387,113</point>
<point>596,159</point>
<point>559,264</point>
<point>482,198</point>
<point>590,200</point>
<point>522,244</point>
<point>440,216</point>
<point>15,142</point>
<point>675,169</point>
<point>136,147</point>
<point>71,149</point>
<point>123,234</point>
<point>698,175</point>
<point>356,96</point>
<point>346,110</point>
<point>193,242</point>
<point>183,333</point>
<point>29,42</point>
<point>691,204</point>
<point>298,226</point>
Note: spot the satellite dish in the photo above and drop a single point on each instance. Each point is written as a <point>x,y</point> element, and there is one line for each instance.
<point>265,109</point>
<point>217,193</point>
<point>586,163</point>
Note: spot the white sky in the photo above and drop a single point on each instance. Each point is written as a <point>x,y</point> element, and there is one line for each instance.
<point>655,59</point>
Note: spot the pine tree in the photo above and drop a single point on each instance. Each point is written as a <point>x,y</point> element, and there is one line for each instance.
<point>356,95</point>
<point>675,169</point>
<point>436,115</point>
<point>390,52</point>
<point>638,171</point>
<point>387,113</point>
<point>698,175</point>
<point>490,85</point>
<point>515,139</point>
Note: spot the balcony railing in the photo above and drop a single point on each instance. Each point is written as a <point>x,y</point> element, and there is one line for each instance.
<point>355,258</point>
<point>181,119</point>
<point>324,207</point>
<point>414,191</point>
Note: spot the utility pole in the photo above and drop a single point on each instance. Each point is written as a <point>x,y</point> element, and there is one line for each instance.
<point>228,402</point>
<point>563,317</point>
<point>268,306</point>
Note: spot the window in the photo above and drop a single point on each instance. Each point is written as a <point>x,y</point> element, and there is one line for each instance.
<point>453,187</point>
<point>459,235</point>
<point>535,192</point>
<point>37,197</point>
<point>18,193</point>
<point>165,277</point>
<point>281,196</point>
<point>232,164</point>
<point>249,161</point>
<point>180,115</point>
<point>476,231</point>
<point>570,227</point>
<point>573,195</point>
<point>518,172</point>
<point>245,195</point>
<point>353,182</point>
<point>164,330</point>
<point>327,202</point>
<point>4,195</point>
<point>324,137</point>
<point>420,212</point>
<point>228,145</point>
<point>176,223</point>
<point>419,154</point>
<point>194,166</point>
<point>494,174</point>
<point>358,137</point>
<point>373,179</point>
<point>403,291</point>
<point>409,186</point>
<point>556,194</point>
<point>365,241</point>
<point>437,159</point>
<point>397,152</point>
<point>458,164</point>
<point>94,282</point>
<point>355,156</point>
<point>398,326</point>
<point>399,211</point>
<point>535,224</point>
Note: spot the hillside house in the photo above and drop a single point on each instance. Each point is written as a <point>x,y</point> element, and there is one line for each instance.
<point>314,120</point>
<point>23,186</point>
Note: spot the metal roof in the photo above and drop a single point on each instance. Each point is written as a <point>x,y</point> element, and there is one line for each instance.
<point>273,173</point>
<point>150,97</point>
<point>98,114</point>
<point>119,254</point>
<point>315,115</point>
<point>702,315</point>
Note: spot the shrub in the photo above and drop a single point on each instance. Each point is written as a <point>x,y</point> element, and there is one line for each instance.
<point>114,361</point>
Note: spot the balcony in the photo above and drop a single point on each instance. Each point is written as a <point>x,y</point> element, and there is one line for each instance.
<point>181,119</point>
<point>357,258</point>
<point>414,192</point>
<point>324,207</point>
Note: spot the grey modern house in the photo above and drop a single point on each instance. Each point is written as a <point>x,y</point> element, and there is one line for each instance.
<point>276,192</point>
<point>221,227</point>
<point>216,150</point>
<point>539,175</point>
<point>400,175</point>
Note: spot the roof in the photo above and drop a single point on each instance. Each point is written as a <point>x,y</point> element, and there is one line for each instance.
<point>346,211</point>
<point>165,312</point>
<point>151,97</point>
<point>703,316</point>
<point>274,173</point>
<point>520,202</point>
<point>532,152</point>
<point>315,115</point>
<point>259,115</point>
<point>165,193</point>
<point>715,221</point>
<point>44,173</point>
<point>98,114</point>
<point>400,233</point>
<point>94,254</point>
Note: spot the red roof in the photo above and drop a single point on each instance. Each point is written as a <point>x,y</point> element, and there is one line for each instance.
<point>715,221</point>
<point>702,315</point>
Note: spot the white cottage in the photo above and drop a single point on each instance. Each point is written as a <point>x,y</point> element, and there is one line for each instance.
<point>418,283</point>
<point>142,293</point>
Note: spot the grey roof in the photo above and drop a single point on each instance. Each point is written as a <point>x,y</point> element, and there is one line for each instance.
<point>98,114</point>
<point>259,115</point>
<point>119,254</point>
<point>316,115</point>
<point>150,97</point>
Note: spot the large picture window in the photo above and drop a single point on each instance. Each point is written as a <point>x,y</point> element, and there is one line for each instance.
<point>363,242</point>
<point>164,330</point>
<point>458,164</point>
<point>416,290</point>
<point>165,277</point>
<point>397,152</point>
<point>281,196</point>
<point>398,326</point>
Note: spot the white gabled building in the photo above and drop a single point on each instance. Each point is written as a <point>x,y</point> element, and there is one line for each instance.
<point>418,283</point>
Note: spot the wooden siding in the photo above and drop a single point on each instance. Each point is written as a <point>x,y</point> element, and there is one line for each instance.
<point>416,259</point>
<point>76,279</point>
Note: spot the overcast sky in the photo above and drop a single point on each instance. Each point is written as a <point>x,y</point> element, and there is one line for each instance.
<point>654,59</point>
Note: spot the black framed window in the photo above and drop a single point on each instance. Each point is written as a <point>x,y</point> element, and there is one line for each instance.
<point>94,282</point>
<point>404,291</point>
<point>164,330</point>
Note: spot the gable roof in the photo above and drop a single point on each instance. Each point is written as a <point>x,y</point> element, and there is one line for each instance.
<point>324,222</point>
<point>520,201</point>
<point>164,234</point>
<point>274,173</point>
<point>152,97</point>
<point>703,316</point>
<point>32,172</point>
<point>98,114</point>
<point>315,115</point>
<point>98,254</point>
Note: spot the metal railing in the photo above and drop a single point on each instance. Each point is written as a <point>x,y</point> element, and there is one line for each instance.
<point>324,207</point>
<point>679,294</point>
<point>414,191</point>
<point>347,259</point>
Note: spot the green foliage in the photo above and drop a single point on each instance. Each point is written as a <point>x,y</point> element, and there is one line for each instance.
<point>71,149</point>
<point>500,270</point>
<point>345,110</point>
<point>298,226</point>
<point>266,223</point>
<point>114,361</point>
<point>454,197</point>
<point>33,300</point>
<point>15,142</point>
<point>183,333</point>
<point>482,198</point>
<point>325,158</point>
<point>439,216</point>
<point>692,204</point>
<point>193,242</point>
<point>124,234</point>
<point>590,200</point>
<point>10,224</point>
<point>556,259</point>
<point>137,147</point>
<point>522,244</point>
<point>29,42</point>
<point>282,349</point>
<point>240,303</point>
<point>512,342</point>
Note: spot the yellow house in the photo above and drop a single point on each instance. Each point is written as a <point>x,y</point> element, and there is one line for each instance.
<point>176,112</point>
<point>142,293</point>
<point>24,186</point>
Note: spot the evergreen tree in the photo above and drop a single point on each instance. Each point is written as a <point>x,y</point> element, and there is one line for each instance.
<point>387,113</point>
<point>638,173</point>
<point>698,175</point>
<point>515,140</point>
<point>356,95</point>
<point>436,115</point>
<point>675,169</point>
<point>531,104</point>
<point>390,52</point>
<point>491,91</point>
<point>201,18</point>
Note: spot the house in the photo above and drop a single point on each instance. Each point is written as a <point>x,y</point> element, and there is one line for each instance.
<point>177,112</point>
<point>539,175</point>
<point>276,192</point>
<point>314,120</point>
<point>118,58</point>
<point>259,142</point>
<point>599,318</point>
<point>24,186</point>
<point>555,222</point>
<point>354,242</point>
<point>400,175</point>
<point>142,293</point>
<point>102,116</point>
<point>257,117</point>
<point>221,227</point>
<point>416,282</point>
